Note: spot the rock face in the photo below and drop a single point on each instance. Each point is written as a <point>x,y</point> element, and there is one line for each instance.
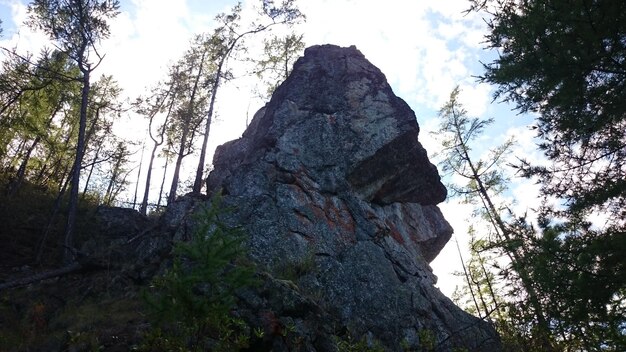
<point>339,198</point>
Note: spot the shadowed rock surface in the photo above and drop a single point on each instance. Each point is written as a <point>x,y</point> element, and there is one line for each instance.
<point>332,185</point>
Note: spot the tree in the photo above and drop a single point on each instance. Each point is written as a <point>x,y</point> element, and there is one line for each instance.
<point>279,54</point>
<point>30,111</point>
<point>484,181</point>
<point>194,299</point>
<point>561,289</point>
<point>117,173</point>
<point>566,61</point>
<point>30,91</point>
<point>99,139</point>
<point>161,101</point>
<point>75,26</point>
<point>192,100</point>
<point>227,39</point>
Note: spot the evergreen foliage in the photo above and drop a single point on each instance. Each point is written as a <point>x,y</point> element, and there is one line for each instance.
<point>225,43</point>
<point>279,55</point>
<point>566,61</point>
<point>546,288</point>
<point>194,299</point>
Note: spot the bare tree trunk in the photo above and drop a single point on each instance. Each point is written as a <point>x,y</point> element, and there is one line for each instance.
<point>143,209</point>
<point>69,255</point>
<point>167,161</point>
<point>198,182</point>
<point>504,232</point>
<point>179,160</point>
<point>93,165</point>
<point>138,175</point>
<point>16,155</point>
<point>21,172</point>
<point>19,178</point>
<point>468,279</point>
<point>183,139</point>
<point>109,195</point>
<point>492,292</point>
<point>60,169</point>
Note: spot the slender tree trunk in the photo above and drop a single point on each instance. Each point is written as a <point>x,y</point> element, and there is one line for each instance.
<point>44,167</point>
<point>108,196</point>
<point>92,129</point>
<point>179,160</point>
<point>138,176</point>
<point>494,298</point>
<point>21,172</point>
<point>479,290</point>
<point>183,139</point>
<point>143,209</point>
<point>93,165</point>
<point>167,161</point>
<point>198,182</point>
<point>467,279</point>
<point>60,168</point>
<point>503,230</point>
<point>118,187</point>
<point>19,178</point>
<point>69,255</point>
<point>18,152</point>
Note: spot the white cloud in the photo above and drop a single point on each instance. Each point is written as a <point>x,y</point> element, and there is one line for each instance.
<point>23,37</point>
<point>145,41</point>
<point>475,98</point>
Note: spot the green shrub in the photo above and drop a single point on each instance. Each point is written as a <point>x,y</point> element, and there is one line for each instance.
<point>350,345</point>
<point>294,270</point>
<point>427,339</point>
<point>193,300</point>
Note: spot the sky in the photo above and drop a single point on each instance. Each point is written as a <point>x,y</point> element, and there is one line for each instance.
<point>425,48</point>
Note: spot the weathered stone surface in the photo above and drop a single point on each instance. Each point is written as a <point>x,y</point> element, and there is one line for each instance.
<point>330,179</point>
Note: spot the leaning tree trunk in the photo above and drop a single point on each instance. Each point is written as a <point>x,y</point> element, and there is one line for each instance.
<point>183,140</point>
<point>197,184</point>
<point>21,172</point>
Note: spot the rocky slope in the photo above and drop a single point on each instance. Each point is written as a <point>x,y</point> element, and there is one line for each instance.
<point>331,173</point>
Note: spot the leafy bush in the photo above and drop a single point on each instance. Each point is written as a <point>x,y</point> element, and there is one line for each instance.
<point>193,300</point>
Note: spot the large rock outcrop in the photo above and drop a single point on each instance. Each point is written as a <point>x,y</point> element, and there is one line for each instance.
<point>330,179</point>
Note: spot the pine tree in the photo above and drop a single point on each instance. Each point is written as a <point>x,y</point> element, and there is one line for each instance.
<point>279,55</point>
<point>226,41</point>
<point>75,26</point>
<point>193,300</point>
<point>566,62</point>
<point>484,181</point>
